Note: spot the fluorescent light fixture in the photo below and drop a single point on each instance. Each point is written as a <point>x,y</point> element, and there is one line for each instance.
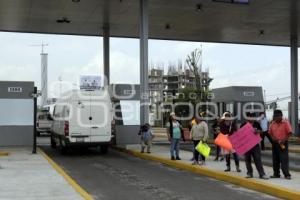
<point>63,20</point>
<point>233,1</point>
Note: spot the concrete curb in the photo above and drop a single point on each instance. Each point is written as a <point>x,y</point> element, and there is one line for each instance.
<point>71,181</point>
<point>3,153</point>
<point>271,189</point>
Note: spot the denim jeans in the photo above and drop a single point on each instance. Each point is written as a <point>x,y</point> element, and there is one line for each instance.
<point>174,147</point>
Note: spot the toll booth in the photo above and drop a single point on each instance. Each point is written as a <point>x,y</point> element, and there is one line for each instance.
<point>16,113</point>
<point>238,100</point>
<point>126,108</point>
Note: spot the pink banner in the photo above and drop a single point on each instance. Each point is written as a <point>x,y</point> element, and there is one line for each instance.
<point>244,139</point>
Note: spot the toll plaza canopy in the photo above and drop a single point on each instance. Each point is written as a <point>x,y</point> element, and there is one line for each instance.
<point>266,22</point>
<point>234,21</point>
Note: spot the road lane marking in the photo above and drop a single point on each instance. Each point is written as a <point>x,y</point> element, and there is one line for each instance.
<point>71,181</point>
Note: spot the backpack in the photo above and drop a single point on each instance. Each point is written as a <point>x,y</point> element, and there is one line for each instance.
<point>143,128</point>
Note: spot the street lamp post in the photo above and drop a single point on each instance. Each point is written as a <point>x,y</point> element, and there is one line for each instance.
<point>34,95</point>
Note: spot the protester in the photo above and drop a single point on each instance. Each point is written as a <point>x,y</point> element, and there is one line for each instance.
<point>216,131</point>
<point>280,130</point>
<point>255,152</point>
<point>263,121</point>
<point>199,133</point>
<point>228,127</point>
<point>174,131</point>
<point>146,137</point>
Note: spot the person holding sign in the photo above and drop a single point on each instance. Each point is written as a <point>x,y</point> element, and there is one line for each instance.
<point>280,131</point>
<point>228,127</point>
<point>254,152</point>
<point>199,133</point>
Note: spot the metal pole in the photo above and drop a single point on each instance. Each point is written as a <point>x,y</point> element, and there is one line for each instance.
<point>34,118</point>
<point>294,84</point>
<point>106,52</point>
<point>294,65</point>
<point>44,77</point>
<point>144,112</point>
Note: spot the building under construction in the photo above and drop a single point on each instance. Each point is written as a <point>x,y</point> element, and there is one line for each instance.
<point>162,86</point>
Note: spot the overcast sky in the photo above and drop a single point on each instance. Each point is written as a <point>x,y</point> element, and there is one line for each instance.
<point>72,56</point>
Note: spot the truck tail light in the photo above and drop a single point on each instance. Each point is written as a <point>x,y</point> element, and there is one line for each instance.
<point>66,128</point>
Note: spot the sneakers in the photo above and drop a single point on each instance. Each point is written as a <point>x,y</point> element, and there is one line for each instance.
<point>238,169</point>
<point>278,176</point>
<point>264,177</point>
<point>249,176</point>
<point>275,176</point>
<point>227,169</point>
<point>288,177</point>
<point>173,158</point>
<point>195,163</point>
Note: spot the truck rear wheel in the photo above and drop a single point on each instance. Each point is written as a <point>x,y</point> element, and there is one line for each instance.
<point>62,148</point>
<point>52,140</point>
<point>104,148</point>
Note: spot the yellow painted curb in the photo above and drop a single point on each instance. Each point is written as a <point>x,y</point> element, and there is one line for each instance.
<point>71,181</point>
<point>267,188</point>
<point>2,153</point>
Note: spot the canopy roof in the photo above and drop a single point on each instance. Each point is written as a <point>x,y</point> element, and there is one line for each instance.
<point>259,22</point>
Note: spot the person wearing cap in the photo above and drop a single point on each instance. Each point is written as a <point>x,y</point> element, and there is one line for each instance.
<point>280,130</point>
<point>255,152</point>
<point>174,135</point>
<point>199,133</point>
<point>228,127</point>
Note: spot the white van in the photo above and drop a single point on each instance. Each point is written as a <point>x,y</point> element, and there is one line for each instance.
<point>82,118</point>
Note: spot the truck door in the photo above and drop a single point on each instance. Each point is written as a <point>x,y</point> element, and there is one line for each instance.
<point>80,125</point>
<point>100,113</point>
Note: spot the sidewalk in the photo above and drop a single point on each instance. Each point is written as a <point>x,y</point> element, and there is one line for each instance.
<point>293,148</point>
<point>28,176</point>
<point>277,187</point>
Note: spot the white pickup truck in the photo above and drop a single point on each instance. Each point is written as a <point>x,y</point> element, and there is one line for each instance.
<point>44,123</point>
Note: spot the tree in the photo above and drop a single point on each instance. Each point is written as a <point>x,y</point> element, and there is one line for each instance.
<point>193,61</point>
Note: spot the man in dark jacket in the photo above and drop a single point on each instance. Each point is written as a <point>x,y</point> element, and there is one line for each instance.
<point>255,152</point>
<point>228,127</point>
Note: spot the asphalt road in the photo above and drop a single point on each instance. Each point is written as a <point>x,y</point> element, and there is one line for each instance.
<point>117,176</point>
